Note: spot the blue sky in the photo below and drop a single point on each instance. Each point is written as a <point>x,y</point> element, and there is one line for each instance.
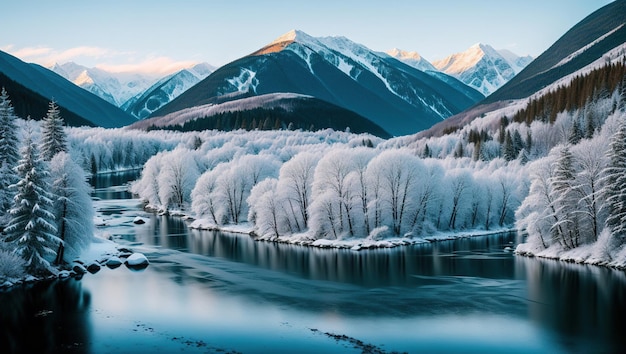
<point>165,35</point>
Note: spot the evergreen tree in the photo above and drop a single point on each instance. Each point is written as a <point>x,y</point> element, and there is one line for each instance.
<point>575,133</point>
<point>9,153</point>
<point>508,149</point>
<point>565,200</point>
<point>590,126</point>
<point>72,205</point>
<point>518,142</point>
<point>31,232</point>
<point>615,184</point>
<point>529,141</point>
<point>53,139</point>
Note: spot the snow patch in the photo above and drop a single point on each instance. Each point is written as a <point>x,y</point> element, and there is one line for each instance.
<point>572,56</point>
<point>246,81</point>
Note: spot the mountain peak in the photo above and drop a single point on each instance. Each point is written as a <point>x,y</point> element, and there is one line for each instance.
<point>293,36</point>
<point>403,54</point>
<point>482,67</point>
<point>411,58</point>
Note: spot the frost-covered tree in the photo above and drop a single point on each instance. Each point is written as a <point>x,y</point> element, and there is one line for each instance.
<point>9,153</point>
<point>615,184</point>
<point>147,187</point>
<point>330,182</point>
<point>31,232</point>
<point>72,206</point>
<point>295,184</point>
<point>53,137</point>
<point>204,196</point>
<point>177,177</point>
<point>396,174</point>
<point>564,199</point>
<point>266,209</point>
<point>591,162</point>
<point>537,212</point>
<point>460,182</point>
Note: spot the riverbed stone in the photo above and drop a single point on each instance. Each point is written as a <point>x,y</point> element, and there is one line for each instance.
<point>93,268</point>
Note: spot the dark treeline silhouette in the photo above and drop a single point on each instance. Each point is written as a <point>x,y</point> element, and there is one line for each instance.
<point>598,83</point>
<point>305,116</point>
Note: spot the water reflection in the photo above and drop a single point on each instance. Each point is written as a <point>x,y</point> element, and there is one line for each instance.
<point>231,292</point>
<point>585,305</point>
<point>113,185</point>
<point>45,317</point>
<point>580,306</point>
<point>403,266</point>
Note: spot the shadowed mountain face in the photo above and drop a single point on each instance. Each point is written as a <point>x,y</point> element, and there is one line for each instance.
<point>265,112</point>
<point>397,97</point>
<point>584,43</point>
<point>31,87</point>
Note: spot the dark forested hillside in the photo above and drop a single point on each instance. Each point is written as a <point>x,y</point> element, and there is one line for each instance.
<point>586,37</point>
<point>305,114</point>
<point>598,83</point>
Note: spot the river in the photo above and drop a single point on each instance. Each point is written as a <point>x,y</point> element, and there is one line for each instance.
<point>211,292</point>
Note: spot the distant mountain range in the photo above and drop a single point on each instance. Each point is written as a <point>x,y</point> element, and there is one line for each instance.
<point>398,97</point>
<point>483,67</point>
<point>165,90</point>
<point>31,87</point>
<point>136,93</point>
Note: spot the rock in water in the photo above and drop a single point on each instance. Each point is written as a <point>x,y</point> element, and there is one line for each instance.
<point>137,261</point>
<point>139,220</point>
<point>79,268</point>
<point>93,268</point>
<point>114,262</point>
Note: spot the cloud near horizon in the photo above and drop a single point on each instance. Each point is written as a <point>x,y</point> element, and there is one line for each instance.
<point>152,65</point>
<point>102,58</point>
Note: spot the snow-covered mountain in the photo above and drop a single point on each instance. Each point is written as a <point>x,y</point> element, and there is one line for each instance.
<point>483,67</point>
<point>583,44</point>
<point>31,87</point>
<point>412,58</point>
<point>163,91</point>
<point>594,42</point>
<point>115,88</point>
<point>390,93</point>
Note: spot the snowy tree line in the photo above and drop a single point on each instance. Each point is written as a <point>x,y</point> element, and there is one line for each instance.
<point>475,178</point>
<point>577,196</point>
<point>100,150</point>
<point>46,214</point>
<point>330,185</point>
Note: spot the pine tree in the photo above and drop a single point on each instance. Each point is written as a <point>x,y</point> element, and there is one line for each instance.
<point>9,153</point>
<point>508,149</point>
<point>575,133</point>
<point>615,184</point>
<point>53,139</point>
<point>31,232</point>
<point>564,199</point>
<point>72,205</point>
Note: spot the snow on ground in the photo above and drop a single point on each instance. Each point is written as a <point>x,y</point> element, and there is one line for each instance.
<point>599,253</point>
<point>353,243</point>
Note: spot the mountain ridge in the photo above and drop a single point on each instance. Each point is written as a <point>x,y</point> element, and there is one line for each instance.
<point>392,94</point>
<point>38,84</point>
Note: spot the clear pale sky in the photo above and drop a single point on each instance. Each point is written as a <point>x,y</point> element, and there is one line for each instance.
<point>164,35</point>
